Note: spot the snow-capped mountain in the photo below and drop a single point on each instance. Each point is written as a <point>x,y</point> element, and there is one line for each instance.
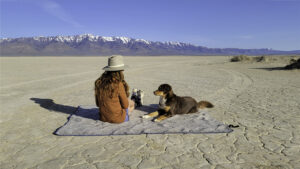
<point>88,37</point>
<point>90,45</point>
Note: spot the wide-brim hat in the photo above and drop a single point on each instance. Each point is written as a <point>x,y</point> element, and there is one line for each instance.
<point>115,63</point>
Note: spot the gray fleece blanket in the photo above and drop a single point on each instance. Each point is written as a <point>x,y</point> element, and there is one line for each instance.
<point>84,122</point>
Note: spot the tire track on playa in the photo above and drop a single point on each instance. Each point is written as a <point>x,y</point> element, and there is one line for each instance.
<point>136,70</point>
<point>239,83</point>
<point>67,76</point>
<point>65,86</point>
<point>87,80</point>
<point>46,79</point>
<point>227,96</point>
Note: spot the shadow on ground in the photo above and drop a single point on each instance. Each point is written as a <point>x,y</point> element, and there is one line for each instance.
<point>50,105</point>
<point>148,108</point>
<point>271,68</point>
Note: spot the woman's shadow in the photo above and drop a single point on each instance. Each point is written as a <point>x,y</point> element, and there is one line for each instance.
<point>92,113</point>
<point>50,105</point>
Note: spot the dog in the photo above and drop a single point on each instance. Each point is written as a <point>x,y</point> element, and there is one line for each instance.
<point>171,104</point>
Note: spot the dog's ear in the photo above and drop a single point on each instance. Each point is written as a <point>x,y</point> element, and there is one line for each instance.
<point>166,88</point>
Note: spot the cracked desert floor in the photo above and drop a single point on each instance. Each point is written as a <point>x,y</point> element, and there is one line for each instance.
<point>263,101</point>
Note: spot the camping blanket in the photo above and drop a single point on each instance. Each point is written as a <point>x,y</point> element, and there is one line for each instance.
<point>85,122</point>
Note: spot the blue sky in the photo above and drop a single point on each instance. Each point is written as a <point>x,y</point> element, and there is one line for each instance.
<point>212,23</point>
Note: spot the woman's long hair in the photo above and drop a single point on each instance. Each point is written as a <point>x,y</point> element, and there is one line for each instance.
<point>107,84</point>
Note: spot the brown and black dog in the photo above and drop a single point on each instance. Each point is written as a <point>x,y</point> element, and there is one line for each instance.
<point>175,104</point>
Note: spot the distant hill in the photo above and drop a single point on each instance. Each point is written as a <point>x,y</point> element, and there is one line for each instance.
<point>90,45</point>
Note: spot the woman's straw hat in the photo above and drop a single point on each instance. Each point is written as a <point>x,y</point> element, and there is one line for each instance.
<point>115,63</point>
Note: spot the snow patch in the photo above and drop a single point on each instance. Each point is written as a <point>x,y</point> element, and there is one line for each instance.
<point>125,40</point>
<point>109,39</point>
<point>143,41</point>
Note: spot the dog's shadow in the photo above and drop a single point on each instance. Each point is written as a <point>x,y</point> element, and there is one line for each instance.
<point>148,108</point>
<point>50,105</point>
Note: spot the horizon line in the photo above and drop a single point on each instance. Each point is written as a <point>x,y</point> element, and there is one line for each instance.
<point>5,38</point>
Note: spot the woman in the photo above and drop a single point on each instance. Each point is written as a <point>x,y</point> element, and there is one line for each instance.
<point>112,92</point>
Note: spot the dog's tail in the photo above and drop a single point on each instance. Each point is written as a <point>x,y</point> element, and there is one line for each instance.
<point>205,104</point>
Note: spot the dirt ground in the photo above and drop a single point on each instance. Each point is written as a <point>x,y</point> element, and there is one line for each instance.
<point>262,99</point>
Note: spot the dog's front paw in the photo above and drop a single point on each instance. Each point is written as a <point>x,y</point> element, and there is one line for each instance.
<point>161,118</point>
<point>157,120</point>
<point>146,116</point>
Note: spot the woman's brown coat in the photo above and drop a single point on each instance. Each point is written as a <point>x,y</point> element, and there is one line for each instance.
<point>113,109</point>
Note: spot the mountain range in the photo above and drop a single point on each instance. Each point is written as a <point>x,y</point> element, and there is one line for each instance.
<point>90,45</point>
